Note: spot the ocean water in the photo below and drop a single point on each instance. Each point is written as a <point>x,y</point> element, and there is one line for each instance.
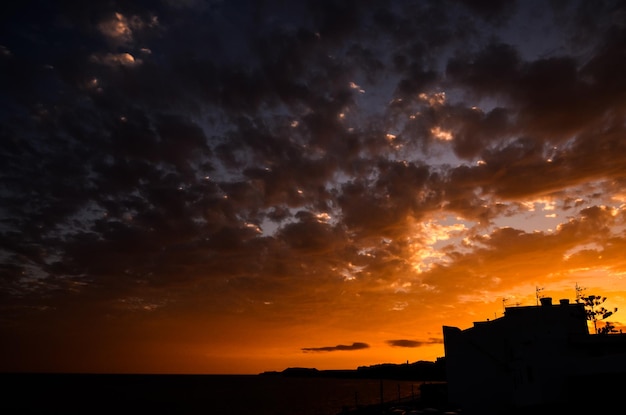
<point>306,396</point>
<point>192,394</point>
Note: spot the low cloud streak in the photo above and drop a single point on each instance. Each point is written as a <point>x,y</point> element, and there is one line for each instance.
<point>413,343</point>
<point>339,347</point>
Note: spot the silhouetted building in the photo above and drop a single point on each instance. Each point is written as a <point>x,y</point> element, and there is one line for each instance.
<point>533,357</point>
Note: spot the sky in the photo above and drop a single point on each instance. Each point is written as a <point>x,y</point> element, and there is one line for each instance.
<point>233,186</point>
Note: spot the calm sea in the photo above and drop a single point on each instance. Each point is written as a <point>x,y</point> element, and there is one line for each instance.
<point>192,394</point>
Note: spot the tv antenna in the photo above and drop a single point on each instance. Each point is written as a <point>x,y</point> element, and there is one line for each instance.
<point>537,293</point>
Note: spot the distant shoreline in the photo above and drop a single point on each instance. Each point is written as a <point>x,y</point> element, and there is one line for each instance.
<point>422,371</point>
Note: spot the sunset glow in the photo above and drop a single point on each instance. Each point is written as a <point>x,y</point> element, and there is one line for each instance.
<point>238,187</point>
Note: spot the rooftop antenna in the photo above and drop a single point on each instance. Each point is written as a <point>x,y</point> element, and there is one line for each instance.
<point>537,291</point>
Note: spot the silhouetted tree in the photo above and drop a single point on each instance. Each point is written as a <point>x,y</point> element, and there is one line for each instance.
<point>608,328</point>
<point>596,312</point>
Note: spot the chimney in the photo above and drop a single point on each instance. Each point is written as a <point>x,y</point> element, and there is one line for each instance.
<point>546,301</point>
<point>564,301</point>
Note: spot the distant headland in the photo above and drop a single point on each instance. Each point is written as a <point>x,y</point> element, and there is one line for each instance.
<point>420,370</point>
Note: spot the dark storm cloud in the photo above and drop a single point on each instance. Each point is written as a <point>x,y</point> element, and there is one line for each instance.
<point>309,234</point>
<point>230,141</point>
<point>552,98</point>
<point>556,126</point>
<point>339,347</point>
<point>528,167</point>
<point>382,205</point>
<point>490,10</point>
<point>412,343</point>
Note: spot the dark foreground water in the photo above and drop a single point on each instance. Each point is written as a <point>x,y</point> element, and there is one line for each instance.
<point>191,394</point>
